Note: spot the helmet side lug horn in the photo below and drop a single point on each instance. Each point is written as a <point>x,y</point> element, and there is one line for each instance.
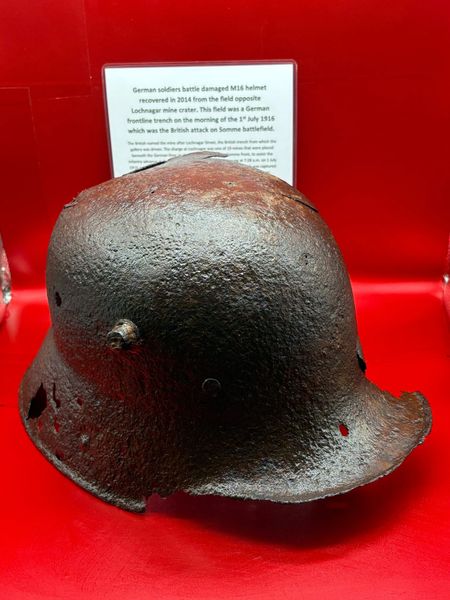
<point>123,335</point>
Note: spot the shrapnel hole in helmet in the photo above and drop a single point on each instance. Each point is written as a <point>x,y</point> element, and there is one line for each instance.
<point>343,429</point>
<point>38,403</point>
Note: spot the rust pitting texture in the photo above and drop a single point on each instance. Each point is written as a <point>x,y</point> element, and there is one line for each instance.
<point>203,339</point>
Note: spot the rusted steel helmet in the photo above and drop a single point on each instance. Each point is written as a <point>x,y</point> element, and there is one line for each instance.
<point>203,339</point>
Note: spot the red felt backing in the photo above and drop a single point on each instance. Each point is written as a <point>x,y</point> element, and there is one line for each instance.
<point>390,539</point>
<point>373,126</point>
<point>374,155</point>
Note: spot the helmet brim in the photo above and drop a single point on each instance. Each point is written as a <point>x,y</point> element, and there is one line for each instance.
<point>376,436</point>
<point>367,435</point>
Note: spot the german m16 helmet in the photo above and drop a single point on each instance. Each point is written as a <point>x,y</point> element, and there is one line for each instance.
<point>203,339</point>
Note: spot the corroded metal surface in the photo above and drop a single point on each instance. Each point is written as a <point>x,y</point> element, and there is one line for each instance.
<point>203,339</point>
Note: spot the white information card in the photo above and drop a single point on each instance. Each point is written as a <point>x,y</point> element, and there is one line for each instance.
<point>244,110</point>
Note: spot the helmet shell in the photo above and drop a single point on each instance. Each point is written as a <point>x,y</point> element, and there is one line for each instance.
<point>204,339</point>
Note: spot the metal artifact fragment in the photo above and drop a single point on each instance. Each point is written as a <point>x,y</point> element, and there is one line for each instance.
<point>203,339</point>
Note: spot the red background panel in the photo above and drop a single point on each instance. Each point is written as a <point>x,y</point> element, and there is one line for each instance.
<point>387,540</point>
<point>373,127</point>
<point>43,43</point>
<point>373,155</point>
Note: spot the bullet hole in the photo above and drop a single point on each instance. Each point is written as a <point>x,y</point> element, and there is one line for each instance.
<point>343,429</point>
<point>58,299</point>
<point>59,456</point>
<point>79,401</point>
<point>38,403</point>
<point>211,387</point>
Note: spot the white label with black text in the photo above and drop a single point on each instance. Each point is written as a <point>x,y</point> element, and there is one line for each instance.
<point>243,110</point>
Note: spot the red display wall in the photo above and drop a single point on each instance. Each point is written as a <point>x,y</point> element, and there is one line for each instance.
<point>374,156</point>
<point>373,127</point>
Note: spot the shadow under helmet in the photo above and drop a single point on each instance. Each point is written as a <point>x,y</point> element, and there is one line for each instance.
<point>203,339</point>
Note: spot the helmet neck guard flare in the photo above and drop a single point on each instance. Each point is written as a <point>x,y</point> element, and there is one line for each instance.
<point>204,339</point>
